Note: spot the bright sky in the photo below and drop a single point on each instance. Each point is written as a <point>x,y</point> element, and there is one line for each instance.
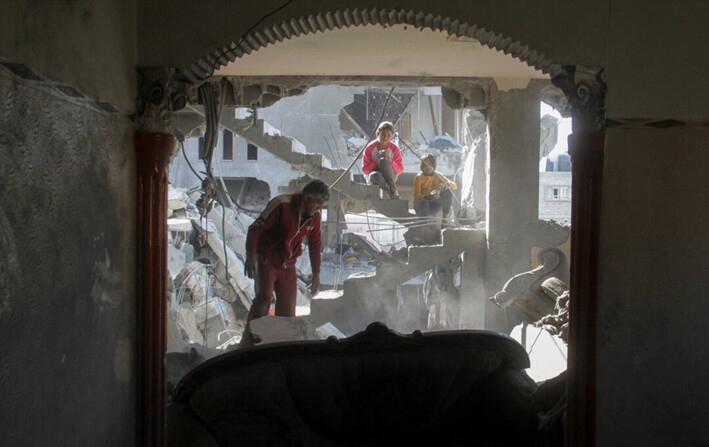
<point>564,132</point>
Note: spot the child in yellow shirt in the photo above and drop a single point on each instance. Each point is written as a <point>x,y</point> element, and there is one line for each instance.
<point>430,192</point>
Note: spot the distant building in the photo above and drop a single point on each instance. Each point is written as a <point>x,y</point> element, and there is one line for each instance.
<point>555,190</point>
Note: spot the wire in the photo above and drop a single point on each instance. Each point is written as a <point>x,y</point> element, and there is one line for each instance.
<point>412,218</point>
<point>439,175</point>
<point>338,265</point>
<point>337,146</point>
<point>184,154</point>
<point>531,348</point>
<point>206,307</point>
<point>331,151</point>
<point>212,114</point>
<point>364,146</point>
<point>241,39</point>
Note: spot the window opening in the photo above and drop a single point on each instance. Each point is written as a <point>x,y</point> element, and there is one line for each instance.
<point>201,147</point>
<point>251,152</point>
<point>228,145</point>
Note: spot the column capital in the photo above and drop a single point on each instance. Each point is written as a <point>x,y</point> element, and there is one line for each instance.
<point>158,98</point>
<point>585,91</point>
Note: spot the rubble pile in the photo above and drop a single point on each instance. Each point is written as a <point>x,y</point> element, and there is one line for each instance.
<point>207,307</point>
<point>558,324</point>
<point>546,340</point>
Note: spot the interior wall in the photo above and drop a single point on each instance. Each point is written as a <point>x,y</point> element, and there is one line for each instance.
<point>90,44</point>
<point>67,282</point>
<point>652,308</point>
<point>69,200</point>
<point>660,37</point>
<point>161,22</point>
<point>67,225</point>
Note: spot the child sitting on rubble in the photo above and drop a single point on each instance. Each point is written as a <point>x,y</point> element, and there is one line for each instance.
<point>432,191</point>
<point>382,160</point>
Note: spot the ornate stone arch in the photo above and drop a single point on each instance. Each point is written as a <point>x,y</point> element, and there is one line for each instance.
<point>339,19</point>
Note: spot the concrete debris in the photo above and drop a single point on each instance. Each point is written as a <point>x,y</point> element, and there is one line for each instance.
<point>207,306</point>
<point>281,329</point>
<point>354,144</point>
<point>329,330</point>
<point>175,260</point>
<point>209,294</point>
<point>360,244</point>
<point>176,200</point>
<point>334,269</point>
<point>546,341</point>
<point>442,297</point>
<point>183,225</point>
<point>229,262</point>
<point>558,324</point>
<point>205,318</point>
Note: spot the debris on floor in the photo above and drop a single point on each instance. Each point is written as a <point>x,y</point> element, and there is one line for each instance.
<point>546,341</point>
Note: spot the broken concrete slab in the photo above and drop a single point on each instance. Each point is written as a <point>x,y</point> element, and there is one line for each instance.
<point>175,260</point>
<point>242,285</point>
<point>270,329</point>
<point>176,200</point>
<point>179,224</point>
<point>329,330</point>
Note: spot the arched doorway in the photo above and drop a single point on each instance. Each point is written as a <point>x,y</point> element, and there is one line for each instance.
<point>586,145</point>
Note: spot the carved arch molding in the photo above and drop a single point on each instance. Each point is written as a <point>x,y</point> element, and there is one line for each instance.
<point>584,88</point>
<point>331,20</point>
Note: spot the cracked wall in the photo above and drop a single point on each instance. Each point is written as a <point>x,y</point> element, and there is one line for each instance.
<point>67,270</point>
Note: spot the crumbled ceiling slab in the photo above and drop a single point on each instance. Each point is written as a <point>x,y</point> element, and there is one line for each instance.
<point>251,91</point>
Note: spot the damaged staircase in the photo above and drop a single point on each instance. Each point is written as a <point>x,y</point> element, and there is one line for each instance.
<point>290,150</point>
<point>368,297</point>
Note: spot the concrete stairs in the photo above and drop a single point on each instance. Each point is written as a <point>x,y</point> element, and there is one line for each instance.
<point>293,152</point>
<point>368,297</point>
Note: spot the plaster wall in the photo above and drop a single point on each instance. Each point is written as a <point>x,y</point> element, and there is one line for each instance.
<point>89,44</point>
<point>652,308</point>
<point>653,261</point>
<point>67,271</point>
<point>619,36</point>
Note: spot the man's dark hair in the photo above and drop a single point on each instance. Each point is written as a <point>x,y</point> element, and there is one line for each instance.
<point>317,189</point>
<point>428,159</point>
<point>385,125</point>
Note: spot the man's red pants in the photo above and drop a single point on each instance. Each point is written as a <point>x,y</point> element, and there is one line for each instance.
<point>269,279</point>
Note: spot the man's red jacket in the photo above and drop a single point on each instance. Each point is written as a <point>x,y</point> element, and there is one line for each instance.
<point>276,235</point>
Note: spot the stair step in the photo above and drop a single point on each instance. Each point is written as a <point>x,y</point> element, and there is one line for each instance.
<point>424,257</point>
<point>316,165</point>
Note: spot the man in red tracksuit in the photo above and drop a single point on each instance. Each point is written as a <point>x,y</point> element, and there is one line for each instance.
<point>273,244</point>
